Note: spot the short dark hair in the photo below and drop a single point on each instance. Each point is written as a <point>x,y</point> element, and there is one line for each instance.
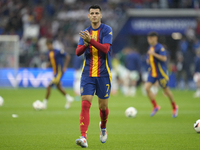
<point>49,41</point>
<point>95,6</point>
<point>151,34</point>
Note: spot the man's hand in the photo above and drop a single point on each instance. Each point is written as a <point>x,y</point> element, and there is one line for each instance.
<point>86,43</point>
<point>160,57</point>
<point>85,35</point>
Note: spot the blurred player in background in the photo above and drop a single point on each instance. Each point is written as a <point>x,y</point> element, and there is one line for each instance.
<point>145,71</point>
<point>114,81</point>
<point>77,63</point>
<point>157,60</point>
<point>95,43</point>
<point>133,64</point>
<point>59,67</point>
<point>197,73</point>
<point>121,71</point>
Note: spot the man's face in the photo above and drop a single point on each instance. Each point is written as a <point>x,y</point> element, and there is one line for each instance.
<point>50,46</point>
<point>95,15</point>
<point>152,40</point>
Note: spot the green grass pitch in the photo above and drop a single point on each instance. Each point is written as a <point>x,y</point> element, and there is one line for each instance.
<point>57,128</point>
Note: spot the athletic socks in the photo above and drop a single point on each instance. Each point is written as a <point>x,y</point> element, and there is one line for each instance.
<point>198,92</point>
<point>154,103</point>
<point>104,117</point>
<point>173,105</point>
<point>45,103</point>
<point>69,98</point>
<point>84,117</point>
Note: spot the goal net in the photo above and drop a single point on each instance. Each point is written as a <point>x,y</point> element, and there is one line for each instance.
<point>9,58</point>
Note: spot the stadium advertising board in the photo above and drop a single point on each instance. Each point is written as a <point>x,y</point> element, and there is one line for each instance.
<point>166,26</point>
<point>40,78</point>
<point>32,78</point>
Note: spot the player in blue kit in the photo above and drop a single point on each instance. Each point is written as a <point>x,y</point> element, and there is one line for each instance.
<point>95,43</point>
<point>197,73</point>
<point>133,64</point>
<point>157,60</point>
<point>145,72</point>
<point>59,67</point>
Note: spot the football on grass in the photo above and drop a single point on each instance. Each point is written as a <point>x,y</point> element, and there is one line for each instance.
<point>38,105</point>
<point>197,126</point>
<point>131,112</point>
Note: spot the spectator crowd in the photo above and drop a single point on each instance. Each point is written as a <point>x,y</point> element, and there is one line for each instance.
<point>36,20</point>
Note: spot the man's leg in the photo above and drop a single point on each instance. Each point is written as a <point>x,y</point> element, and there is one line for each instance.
<point>87,91</point>
<point>168,93</point>
<point>151,96</point>
<point>103,107</point>
<point>133,88</point>
<point>69,99</point>
<point>197,93</point>
<point>61,89</point>
<point>53,82</point>
<point>84,120</point>
<point>103,92</point>
<point>154,88</point>
<point>47,96</point>
<point>84,115</point>
<point>134,76</point>
<point>48,92</point>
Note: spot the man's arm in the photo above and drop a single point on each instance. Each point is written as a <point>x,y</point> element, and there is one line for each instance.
<point>87,38</point>
<point>80,49</point>
<point>82,46</point>
<point>160,57</point>
<point>102,47</point>
<point>67,59</point>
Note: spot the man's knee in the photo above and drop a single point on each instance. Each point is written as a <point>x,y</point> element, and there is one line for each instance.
<point>87,98</point>
<point>103,104</point>
<point>166,90</point>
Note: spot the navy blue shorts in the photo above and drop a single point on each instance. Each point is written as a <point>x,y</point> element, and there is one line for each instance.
<point>163,81</point>
<point>56,79</point>
<point>99,85</point>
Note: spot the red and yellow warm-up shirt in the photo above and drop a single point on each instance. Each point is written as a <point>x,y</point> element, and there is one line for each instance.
<point>158,67</point>
<point>56,58</point>
<point>97,63</point>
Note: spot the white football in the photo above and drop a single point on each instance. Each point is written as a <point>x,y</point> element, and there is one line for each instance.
<point>38,105</point>
<point>197,126</point>
<point>131,112</point>
<point>1,101</point>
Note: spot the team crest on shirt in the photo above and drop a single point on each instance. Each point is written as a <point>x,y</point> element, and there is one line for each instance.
<point>81,89</point>
<point>162,49</point>
<point>110,33</point>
